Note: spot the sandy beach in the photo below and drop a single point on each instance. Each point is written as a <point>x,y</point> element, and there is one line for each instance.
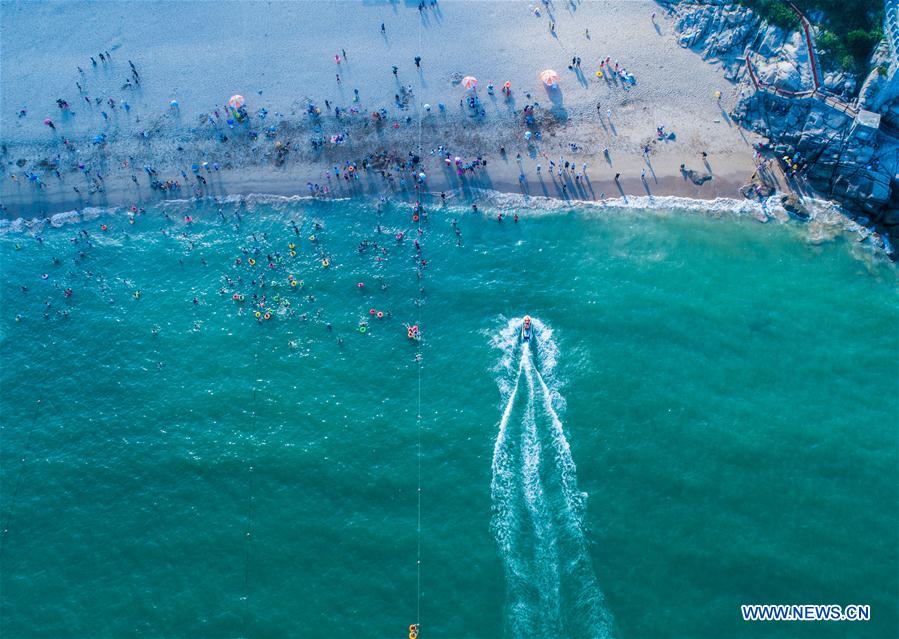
<point>199,55</point>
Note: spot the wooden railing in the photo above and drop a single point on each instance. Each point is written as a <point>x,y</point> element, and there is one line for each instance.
<point>818,91</point>
<point>810,43</point>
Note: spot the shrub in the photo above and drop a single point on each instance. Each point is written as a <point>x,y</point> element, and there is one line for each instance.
<point>861,42</point>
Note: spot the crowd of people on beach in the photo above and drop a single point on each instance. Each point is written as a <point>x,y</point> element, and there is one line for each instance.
<point>238,129</point>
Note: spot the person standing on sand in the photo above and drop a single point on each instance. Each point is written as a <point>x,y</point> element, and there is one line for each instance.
<point>383,30</point>
<point>418,61</point>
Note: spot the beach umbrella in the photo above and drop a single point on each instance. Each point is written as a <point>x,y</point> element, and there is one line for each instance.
<point>48,121</point>
<point>549,77</point>
<point>236,101</point>
<point>470,82</point>
<point>174,104</point>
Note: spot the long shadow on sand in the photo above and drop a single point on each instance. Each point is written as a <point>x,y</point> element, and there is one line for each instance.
<point>558,104</point>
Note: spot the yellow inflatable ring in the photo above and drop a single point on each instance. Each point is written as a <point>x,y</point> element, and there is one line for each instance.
<point>293,282</point>
<point>252,262</point>
<point>291,246</point>
<point>293,254</point>
<point>257,314</point>
<point>326,262</point>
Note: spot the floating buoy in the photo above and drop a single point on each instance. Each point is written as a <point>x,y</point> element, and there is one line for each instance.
<point>326,262</point>
<point>251,262</point>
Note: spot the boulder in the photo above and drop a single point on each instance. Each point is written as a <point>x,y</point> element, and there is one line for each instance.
<point>793,205</point>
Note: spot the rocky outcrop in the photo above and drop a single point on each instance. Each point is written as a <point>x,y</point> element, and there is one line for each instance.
<point>847,158</point>
<point>880,91</point>
<point>794,206</point>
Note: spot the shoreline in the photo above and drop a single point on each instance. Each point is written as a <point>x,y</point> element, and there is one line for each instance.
<point>827,221</point>
<point>663,179</point>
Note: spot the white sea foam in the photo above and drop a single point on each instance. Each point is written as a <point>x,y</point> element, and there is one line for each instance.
<point>827,220</point>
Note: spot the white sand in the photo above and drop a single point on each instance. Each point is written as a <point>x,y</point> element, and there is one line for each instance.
<point>200,53</point>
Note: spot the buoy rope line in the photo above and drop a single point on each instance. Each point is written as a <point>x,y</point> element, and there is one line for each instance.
<point>418,357</point>
<point>249,527</point>
<point>15,492</point>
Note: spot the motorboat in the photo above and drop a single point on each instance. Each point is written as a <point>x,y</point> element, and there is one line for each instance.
<point>527,329</point>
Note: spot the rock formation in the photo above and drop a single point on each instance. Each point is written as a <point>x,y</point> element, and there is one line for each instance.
<point>848,139</point>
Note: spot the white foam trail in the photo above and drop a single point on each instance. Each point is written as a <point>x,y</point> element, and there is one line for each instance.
<point>590,601</point>
<point>546,554</point>
<point>505,521</point>
<point>558,574</point>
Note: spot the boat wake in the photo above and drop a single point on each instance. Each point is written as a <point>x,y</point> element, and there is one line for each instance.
<point>538,510</point>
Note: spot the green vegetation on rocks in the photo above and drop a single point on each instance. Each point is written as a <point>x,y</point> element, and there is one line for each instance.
<point>844,39</point>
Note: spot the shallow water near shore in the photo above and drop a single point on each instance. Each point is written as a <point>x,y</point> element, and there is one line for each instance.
<point>708,419</point>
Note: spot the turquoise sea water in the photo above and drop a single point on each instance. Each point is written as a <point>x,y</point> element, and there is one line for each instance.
<point>706,418</point>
